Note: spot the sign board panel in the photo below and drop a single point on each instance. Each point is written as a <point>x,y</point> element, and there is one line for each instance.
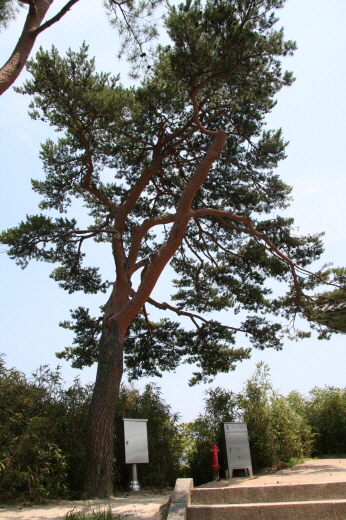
<point>136,441</point>
<point>237,447</point>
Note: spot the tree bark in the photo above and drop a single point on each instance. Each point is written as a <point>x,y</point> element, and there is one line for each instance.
<point>14,66</point>
<point>100,422</point>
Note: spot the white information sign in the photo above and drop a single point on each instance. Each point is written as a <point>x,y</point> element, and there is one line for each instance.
<point>136,441</point>
<point>237,447</point>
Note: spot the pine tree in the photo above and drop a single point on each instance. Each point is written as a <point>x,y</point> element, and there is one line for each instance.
<point>178,170</point>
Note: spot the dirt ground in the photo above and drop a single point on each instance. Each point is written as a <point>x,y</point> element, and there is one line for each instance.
<point>135,506</point>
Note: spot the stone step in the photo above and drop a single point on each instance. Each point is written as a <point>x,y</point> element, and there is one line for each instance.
<point>304,510</point>
<point>262,494</point>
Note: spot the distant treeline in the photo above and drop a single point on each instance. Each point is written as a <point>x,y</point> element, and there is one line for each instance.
<point>42,434</point>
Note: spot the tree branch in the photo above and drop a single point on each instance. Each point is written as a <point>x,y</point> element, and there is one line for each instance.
<point>90,170</point>
<point>182,218</point>
<point>55,18</point>
<point>76,233</point>
<point>136,191</point>
<point>15,64</point>
<point>139,232</point>
<point>222,214</point>
<point>167,307</point>
<point>217,243</point>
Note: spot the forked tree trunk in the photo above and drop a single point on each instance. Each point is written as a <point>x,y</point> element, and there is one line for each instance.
<point>100,422</point>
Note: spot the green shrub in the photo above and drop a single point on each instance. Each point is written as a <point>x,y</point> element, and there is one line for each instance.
<point>220,406</point>
<point>326,413</point>
<point>42,435</point>
<point>32,465</point>
<point>292,432</point>
<point>196,460</point>
<point>255,402</point>
<point>42,438</point>
<point>278,427</point>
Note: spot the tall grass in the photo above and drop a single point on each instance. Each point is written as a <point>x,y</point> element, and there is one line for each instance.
<point>94,514</point>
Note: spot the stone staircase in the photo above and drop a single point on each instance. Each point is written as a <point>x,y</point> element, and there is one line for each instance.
<point>317,501</point>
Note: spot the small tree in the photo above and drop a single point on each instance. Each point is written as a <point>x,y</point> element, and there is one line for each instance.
<point>255,403</point>
<point>179,171</point>
<point>278,428</point>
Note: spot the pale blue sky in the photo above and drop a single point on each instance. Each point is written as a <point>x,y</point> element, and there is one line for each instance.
<point>312,114</point>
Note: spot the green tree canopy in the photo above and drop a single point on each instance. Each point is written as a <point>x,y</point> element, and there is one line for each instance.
<point>178,169</point>
<point>329,308</point>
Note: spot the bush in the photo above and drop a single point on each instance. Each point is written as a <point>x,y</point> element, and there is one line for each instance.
<point>255,402</point>
<point>326,413</point>
<point>42,438</point>
<point>42,435</point>
<point>32,464</point>
<point>277,426</point>
<point>278,429</point>
<point>199,435</point>
<point>196,461</point>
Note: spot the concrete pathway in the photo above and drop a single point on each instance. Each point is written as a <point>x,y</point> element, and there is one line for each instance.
<point>311,471</point>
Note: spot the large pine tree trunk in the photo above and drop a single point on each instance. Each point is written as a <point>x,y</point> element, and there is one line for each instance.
<point>100,422</point>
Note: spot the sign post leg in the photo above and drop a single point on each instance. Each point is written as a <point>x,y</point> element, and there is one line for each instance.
<point>134,485</point>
